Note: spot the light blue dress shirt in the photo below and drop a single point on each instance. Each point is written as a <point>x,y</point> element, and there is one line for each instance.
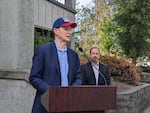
<point>63,61</point>
<point>96,71</point>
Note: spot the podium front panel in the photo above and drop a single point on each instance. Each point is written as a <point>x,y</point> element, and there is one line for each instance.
<point>83,98</point>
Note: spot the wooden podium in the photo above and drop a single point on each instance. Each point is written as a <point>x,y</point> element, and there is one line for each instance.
<point>79,99</point>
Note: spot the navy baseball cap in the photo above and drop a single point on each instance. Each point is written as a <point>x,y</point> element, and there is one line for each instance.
<point>63,22</point>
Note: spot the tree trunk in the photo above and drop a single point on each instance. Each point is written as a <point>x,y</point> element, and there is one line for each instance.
<point>134,60</point>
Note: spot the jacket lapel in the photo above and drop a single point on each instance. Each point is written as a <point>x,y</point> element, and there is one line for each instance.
<point>92,72</point>
<point>53,51</point>
<point>69,65</point>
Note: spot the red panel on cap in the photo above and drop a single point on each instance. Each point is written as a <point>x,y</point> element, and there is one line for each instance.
<point>72,24</point>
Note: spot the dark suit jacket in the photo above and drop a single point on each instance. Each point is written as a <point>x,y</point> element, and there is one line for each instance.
<point>45,72</point>
<point>88,77</point>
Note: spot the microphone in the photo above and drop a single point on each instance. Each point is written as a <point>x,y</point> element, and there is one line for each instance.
<point>81,50</point>
<point>101,74</point>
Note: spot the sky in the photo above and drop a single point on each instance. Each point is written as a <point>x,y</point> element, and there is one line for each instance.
<point>81,2</point>
<point>84,2</point>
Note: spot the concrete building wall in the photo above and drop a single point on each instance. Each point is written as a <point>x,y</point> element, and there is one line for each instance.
<point>45,12</point>
<point>16,96</point>
<point>16,34</point>
<point>17,21</point>
<point>16,50</point>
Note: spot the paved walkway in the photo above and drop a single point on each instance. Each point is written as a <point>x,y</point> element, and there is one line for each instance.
<point>147,110</point>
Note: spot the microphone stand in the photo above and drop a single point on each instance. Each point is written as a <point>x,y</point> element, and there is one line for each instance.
<point>101,75</point>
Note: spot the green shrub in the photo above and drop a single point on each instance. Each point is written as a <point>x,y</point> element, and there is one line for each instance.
<point>146,69</point>
<point>121,69</point>
<point>41,36</point>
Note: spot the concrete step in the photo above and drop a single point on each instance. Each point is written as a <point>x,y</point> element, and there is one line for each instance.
<point>147,110</point>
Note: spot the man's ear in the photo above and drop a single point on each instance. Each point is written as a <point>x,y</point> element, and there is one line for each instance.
<point>54,30</point>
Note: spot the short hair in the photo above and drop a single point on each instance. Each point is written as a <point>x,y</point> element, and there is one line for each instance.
<point>52,34</point>
<point>94,48</point>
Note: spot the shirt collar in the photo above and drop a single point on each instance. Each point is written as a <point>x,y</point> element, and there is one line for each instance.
<point>59,49</point>
<point>97,64</point>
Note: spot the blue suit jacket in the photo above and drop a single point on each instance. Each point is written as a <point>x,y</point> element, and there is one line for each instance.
<point>45,72</point>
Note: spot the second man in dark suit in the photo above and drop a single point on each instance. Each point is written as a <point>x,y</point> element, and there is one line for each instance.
<point>94,72</point>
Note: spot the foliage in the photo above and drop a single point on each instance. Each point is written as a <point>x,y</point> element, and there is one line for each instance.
<point>91,21</point>
<point>83,60</point>
<point>41,37</point>
<point>146,69</point>
<point>121,69</point>
<point>109,41</point>
<point>133,16</point>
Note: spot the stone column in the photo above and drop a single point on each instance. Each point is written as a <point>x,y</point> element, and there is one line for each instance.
<point>16,34</point>
<point>16,51</point>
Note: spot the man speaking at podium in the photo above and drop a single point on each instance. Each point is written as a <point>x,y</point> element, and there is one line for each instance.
<point>94,72</point>
<point>54,64</point>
